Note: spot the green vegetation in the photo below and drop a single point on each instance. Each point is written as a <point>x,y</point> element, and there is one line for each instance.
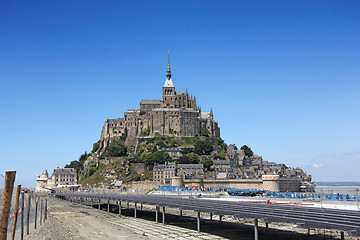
<point>78,164</point>
<point>75,164</point>
<point>146,132</point>
<point>93,177</point>
<point>207,163</point>
<point>248,152</point>
<point>203,147</point>
<point>155,157</point>
<point>171,142</point>
<point>95,147</point>
<point>116,149</point>
<point>218,141</point>
<point>189,140</point>
<point>221,155</point>
<point>204,132</point>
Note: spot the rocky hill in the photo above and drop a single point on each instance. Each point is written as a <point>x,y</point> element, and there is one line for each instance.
<point>134,163</point>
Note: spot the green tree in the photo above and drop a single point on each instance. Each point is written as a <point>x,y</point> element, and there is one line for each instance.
<point>203,147</point>
<point>221,154</point>
<point>207,163</point>
<point>95,147</point>
<point>116,149</point>
<point>248,152</point>
<point>204,132</point>
<point>155,157</point>
<point>75,164</point>
<point>194,158</point>
<point>83,157</point>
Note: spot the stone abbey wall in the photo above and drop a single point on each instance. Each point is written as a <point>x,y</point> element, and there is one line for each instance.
<point>176,114</point>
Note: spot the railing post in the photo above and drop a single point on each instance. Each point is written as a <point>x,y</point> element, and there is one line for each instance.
<point>108,206</point>
<point>163,216</point>
<point>256,237</point>
<point>211,216</point>
<point>198,221</point>
<point>157,214</point>
<point>135,208</point>
<point>45,217</point>
<point>41,211</point>
<point>119,207</point>
<point>220,218</point>
<point>99,204</point>
<point>16,209</point>
<point>181,213</point>
<point>28,215</point>
<point>342,235</point>
<point>22,214</point>
<point>36,210</point>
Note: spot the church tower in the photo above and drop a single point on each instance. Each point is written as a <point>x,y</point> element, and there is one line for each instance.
<point>169,94</point>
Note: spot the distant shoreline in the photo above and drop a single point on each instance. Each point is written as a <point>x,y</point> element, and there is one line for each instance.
<point>342,184</point>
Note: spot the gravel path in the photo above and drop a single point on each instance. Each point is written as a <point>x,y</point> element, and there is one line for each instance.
<point>72,221</point>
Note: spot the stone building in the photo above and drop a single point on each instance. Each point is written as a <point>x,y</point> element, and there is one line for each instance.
<point>190,171</point>
<point>163,173</point>
<point>61,179</point>
<point>175,114</point>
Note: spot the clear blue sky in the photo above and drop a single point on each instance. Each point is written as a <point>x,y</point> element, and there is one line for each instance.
<point>281,76</point>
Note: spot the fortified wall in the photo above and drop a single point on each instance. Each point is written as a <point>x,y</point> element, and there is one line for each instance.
<point>267,182</point>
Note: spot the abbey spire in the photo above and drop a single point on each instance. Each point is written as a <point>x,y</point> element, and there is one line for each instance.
<point>168,82</point>
<point>168,74</point>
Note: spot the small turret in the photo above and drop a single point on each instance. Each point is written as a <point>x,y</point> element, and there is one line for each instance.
<point>45,174</point>
<point>211,114</point>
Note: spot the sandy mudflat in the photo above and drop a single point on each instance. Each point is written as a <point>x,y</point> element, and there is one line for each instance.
<point>67,221</point>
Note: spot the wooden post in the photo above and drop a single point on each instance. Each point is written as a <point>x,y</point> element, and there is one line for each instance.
<point>22,215</point>
<point>28,215</point>
<point>16,209</point>
<point>7,195</point>
<point>41,211</point>
<point>198,221</point>
<point>45,217</point>
<point>119,207</point>
<point>36,210</point>
<point>163,215</point>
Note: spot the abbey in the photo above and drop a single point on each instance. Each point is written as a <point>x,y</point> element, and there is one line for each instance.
<point>175,114</point>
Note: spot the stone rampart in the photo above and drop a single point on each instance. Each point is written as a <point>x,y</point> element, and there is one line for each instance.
<point>141,186</point>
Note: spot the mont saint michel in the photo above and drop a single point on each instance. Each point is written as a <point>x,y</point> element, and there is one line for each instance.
<point>175,114</point>
<point>171,141</point>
